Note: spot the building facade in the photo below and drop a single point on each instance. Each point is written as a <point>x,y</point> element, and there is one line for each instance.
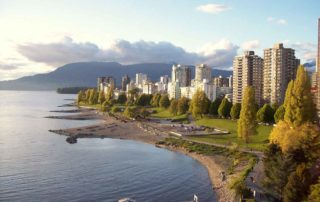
<point>181,74</point>
<point>125,80</point>
<point>203,71</point>
<point>140,78</point>
<point>221,81</point>
<point>247,71</point>
<point>108,81</point>
<point>280,66</point>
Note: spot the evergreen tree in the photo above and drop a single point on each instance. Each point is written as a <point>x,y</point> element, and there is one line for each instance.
<point>183,105</point>
<point>265,114</point>
<point>173,109</point>
<point>298,185</point>
<point>214,106</point>
<point>164,101</point>
<point>122,98</point>
<point>200,104</point>
<point>235,111</point>
<point>143,100</point>
<point>300,108</point>
<point>101,97</point>
<point>247,122</point>
<point>224,108</point>
<point>279,114</point>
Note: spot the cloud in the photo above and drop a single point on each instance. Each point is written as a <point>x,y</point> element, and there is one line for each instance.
<point>250,45</point>
<point>212,8</point>
<point>10,66</point>
<point>64,52</point>
<point>219,54</point>
<point>308,51</point>
<point>278,21</point>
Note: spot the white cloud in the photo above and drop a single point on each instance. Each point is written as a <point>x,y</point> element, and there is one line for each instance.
<point>212,8</point>
<point>308,51</point>
<point>278,21</point>
<point>250,45</point>
<point>219,54</point>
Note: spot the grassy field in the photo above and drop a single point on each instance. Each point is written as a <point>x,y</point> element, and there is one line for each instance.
<point>257,142</point>
<point>165,114</point>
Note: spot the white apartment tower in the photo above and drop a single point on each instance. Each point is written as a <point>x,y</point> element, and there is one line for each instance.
<point>247,71</point>
<point>140,78</point>
<point>280,66</point>
<point>203,71</point>
<point>181,74</point>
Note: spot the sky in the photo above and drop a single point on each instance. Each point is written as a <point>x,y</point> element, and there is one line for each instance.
<point>38,36</point>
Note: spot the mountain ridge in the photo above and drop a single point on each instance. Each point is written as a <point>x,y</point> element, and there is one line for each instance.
<point>86,73</point>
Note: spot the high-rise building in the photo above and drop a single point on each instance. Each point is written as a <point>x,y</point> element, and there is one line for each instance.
<point>164,79</point>
<point>140,78</point>
<point>125,80</point>
<point>181,74</point>
<point>247,71</point>
<point>280,67</point>
<point>203,71</point>
<point>108,81</point>
<point>221,81</point>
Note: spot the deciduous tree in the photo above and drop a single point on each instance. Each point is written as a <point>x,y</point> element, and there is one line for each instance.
<point>235,111</point>
<point>224,108</point>
<point>247,121</point>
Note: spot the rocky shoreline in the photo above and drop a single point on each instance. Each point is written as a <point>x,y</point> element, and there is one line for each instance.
<point>116,128</point>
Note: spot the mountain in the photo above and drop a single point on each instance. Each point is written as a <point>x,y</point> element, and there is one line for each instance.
<point>86,73</point>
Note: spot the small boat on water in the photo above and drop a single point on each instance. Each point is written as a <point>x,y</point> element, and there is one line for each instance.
<point>71,140</point>
<point>127,200</point>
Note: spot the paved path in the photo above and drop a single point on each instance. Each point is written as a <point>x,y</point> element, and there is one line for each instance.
<point>256,174</point>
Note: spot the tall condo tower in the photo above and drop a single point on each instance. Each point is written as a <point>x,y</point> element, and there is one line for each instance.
<point>247,71</point>
<point>181,74</point>
<point>203,71</point>
<point>280,67</point>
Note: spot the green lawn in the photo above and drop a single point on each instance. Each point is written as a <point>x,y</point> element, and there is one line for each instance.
<point>257,142</point>
<point>165,114</point>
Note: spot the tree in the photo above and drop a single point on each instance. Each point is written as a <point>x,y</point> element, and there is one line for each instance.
<point>122,98</point>
<point>101,97</point>
<point>164,101</point>
<point>132,96</point>
<point>155,100</point>
<point>315,192</point>
<point>93,98</point>
<point>80,96</point>
<point>199,104</point>
<point>299,106</point>
<point>265,114</point>
<point>298,184</point>
<point>224,108</point>
<point>235,111</point>
<point>279,114</point>
<point>247,121</point>
<point>183,105</point>
<point>305,137</point>
<point>109,96</point>
<point>143,112</point>
<point>173,109</point>
<point>143,100</point>
<point>214,106</point>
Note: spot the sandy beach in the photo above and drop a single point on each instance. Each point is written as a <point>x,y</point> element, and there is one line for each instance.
<point>113,127</point>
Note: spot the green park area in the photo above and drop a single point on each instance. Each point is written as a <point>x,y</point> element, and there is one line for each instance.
<point>256,142</point>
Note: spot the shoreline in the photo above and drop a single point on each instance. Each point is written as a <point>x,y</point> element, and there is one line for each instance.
<point>137,131</point>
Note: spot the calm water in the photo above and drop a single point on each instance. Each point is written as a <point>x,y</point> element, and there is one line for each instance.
<point>36,165</point>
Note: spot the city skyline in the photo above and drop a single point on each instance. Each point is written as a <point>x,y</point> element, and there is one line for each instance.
<point>218,31</point>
